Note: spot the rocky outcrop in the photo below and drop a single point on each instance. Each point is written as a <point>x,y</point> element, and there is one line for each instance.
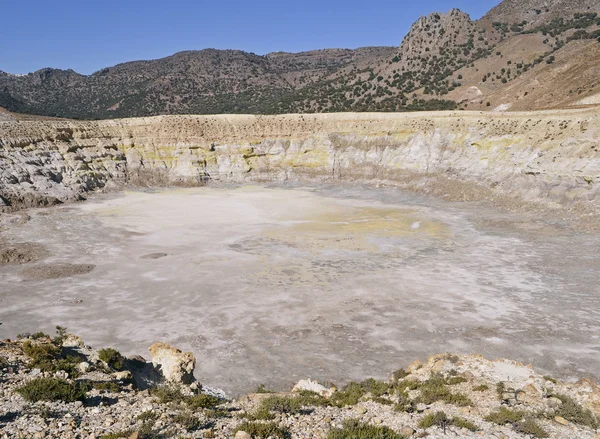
<point>445,396</point>
<point>313,386</point>
<point>551,157</point>
<point>175,366</point>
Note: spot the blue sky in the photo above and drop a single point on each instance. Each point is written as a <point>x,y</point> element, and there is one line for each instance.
<point>86,35</point>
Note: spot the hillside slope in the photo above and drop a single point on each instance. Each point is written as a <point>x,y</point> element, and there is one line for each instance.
<point>531,54</point>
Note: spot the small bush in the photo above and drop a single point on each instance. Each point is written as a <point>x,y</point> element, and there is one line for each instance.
<point>263,389</point>
<point>354,429</point>
<point>440,419</point>
<point>400,374</point>
<point>167,393</point>
<point>481,388</point>
<point>53,389</point>
<point>106,386</point>
<point>437,419</point>
<point>463,423</point>
<point>264,430</point>
<point>118,434</point>
<point>505,416</point>
<point>112,358</point>
<point>48,358</point>
<point>405,404</point>
<point>353,392</point>
<point>188,421</point>
<point>549,378</point>
<point>435,389</point>
<point>572,411</point>
<point>530,427</point>
<point>148,415</point>
<point>260,414</point>
<point>202,401</point>
<point>217,413</point>
<point>456,380</point>
<point>458,399</point>
<point>40,353</point>
<point>500,389</point>
<point>309,398</point>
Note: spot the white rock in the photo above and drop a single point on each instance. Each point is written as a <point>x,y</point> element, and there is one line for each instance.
<point>83,367</point>
<point>124,375</point>
<point>313,386</point>
<point>242,435</point>
<point>175,366</point>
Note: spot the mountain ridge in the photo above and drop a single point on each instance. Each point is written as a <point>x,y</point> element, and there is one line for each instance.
<point>446,61</point>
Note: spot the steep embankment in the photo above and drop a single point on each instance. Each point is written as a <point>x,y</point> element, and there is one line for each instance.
<point>549,157</point>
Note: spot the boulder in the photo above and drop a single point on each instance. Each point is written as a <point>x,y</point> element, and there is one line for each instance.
<point>176,367</point>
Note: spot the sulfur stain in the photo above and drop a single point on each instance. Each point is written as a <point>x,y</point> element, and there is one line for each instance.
<point>356,228</point>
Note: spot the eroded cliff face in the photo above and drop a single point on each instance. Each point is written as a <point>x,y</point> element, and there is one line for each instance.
<point>548,157</point>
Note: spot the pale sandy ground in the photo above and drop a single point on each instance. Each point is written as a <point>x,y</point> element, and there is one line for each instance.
<point>272,284</point>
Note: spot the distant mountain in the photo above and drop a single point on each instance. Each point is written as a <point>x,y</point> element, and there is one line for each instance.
<point>523,54</point>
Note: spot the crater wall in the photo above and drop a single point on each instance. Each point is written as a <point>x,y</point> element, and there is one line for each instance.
<point>550,157</point>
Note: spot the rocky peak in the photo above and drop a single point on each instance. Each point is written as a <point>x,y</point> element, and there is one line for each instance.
<point>436,31</point>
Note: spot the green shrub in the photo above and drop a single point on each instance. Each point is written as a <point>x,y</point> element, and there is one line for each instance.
<point>481,388</point>
<point>217,413</point>
<point>530,427</point>
<point>202,401</point>
<point>572,411</point>
<point>400,374</point>
<point>311,399</point>
<point>148,415</point>
<point>437,419</point>
<point>264,430</point>
<point>167,393</point>
<point>260,414</point>
<point>53,389</point>
<point>505,416</point>
<point>48,358</point>
<point>353,392</point>
<point>170,393</point>
<point>435,389</point>
<point>188,421</point>
<point>118,434</point>
<point>263,389</point>
<point>106,386</point>
<point>456,380</point>
<point>463,423</point>
<point>354,429</point>
<point>500,389</point>
<point>40,353</point>
<point>549,378</point>
<point>405,404</point>
<point>112,358</point>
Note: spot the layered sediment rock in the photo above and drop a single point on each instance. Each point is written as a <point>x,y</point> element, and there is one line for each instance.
<point>552,157</point>
<point>446,396</point>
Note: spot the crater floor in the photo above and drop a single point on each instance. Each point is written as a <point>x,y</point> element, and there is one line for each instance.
<point>270,284</point>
